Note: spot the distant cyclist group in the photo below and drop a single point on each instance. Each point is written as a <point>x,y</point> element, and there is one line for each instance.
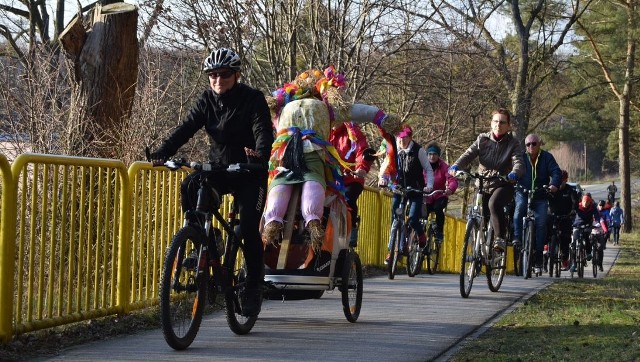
<point>305,143</point>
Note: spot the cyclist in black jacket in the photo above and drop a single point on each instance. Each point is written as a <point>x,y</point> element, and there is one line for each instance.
<point>237,119</point>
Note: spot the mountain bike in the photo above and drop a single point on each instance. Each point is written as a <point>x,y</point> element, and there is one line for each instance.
<point>555,242</point>
<point>401,233</point>
<point>527,249</point>
<point>578,253</point>
<point>597,244</point>
<point>199,264</point>
<point>432,247</point>
<point>477,249</point>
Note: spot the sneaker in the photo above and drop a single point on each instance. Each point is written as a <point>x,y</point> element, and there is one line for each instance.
<point>191,261</point>
<point>316,233</point>
<point>388,258</point>
<point>600,268</point>
<point>271,232</point>
<point>537,269</point>
<point>499,245</point>
<point>565,265</point>
<point>515,243</point>
<point>589,257</point>
<point>251,301</point>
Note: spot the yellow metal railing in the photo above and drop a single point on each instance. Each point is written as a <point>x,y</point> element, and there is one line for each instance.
<point>82,238</point>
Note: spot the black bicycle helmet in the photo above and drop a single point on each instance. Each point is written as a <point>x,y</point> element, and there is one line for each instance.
<point>222,58</point>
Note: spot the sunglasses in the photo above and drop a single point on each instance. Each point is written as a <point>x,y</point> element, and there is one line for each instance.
<point>498,121</point>
<point>223,75</point>
<point>531,144</point>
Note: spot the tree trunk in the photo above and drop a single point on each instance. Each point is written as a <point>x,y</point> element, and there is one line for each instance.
<point>104,60</point>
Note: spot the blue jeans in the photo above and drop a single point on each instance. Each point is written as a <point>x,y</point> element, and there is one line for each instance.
<point>540,210</point>
<point>415,213</point>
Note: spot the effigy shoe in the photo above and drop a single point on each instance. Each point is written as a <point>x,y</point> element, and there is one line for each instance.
<point>272,232</point>
<point>316,234</point>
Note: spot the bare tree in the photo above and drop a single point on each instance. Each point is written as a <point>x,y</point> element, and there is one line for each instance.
<point>526,61</point>
<point>623,91</point>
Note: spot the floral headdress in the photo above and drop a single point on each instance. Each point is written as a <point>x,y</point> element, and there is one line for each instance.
<point>327,86</point>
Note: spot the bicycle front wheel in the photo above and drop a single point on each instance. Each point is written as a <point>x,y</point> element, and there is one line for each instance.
<point>581,259</point>
<point>234,276</point>
<point>527,249</point>
<point>497,265</point>
<point>183,292</point>
<point>394,252</point>
<point>433,254</point>
<point>555,258</point>
<point>469,260</point>
<point>595,262</point>
<point>414,260</point>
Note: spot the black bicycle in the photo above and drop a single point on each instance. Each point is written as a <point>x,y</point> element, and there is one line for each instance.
<point>555,250</point>
<point>578,254</point>
<point>477,250</point>
<point>199,265</point>
<point>402,236</point>
<point>526,255</point>
<point>431,249</point>
<point>597,248</point>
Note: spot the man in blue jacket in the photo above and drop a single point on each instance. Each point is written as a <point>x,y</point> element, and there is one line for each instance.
<point>541,169</point>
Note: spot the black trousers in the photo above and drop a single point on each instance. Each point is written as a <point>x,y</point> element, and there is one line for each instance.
<point>250,193</point>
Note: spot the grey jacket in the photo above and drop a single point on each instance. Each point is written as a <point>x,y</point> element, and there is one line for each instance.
<point>496,157</point>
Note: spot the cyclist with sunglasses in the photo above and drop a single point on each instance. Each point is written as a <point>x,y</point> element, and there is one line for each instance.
<point>237,120</point>
<point>541,169</point>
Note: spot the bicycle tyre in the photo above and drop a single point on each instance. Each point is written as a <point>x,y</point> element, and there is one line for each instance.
<point>595,260</point>
<point>352,286</point>
<point>414,260</point>
<point>517,260</point>
<point>433,252</point>
<point>581,258</point>
<point>234,278</point>
<point>183,293</point>
<point>556,256</point>
<point>395,253</point>
<point>553,261</point>
<point>496,267</point>
<point>527,251</point>
<point>469,260</point>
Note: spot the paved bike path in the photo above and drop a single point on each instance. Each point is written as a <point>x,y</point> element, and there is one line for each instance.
<point>406,319</point>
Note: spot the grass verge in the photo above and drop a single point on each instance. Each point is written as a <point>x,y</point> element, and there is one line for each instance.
<point>572,320</point>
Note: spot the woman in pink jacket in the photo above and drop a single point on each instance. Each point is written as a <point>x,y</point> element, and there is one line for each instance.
<point>442,181</point>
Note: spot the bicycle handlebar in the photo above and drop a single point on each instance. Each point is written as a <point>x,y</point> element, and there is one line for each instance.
<point>177,164</point>
<point>460,173</point>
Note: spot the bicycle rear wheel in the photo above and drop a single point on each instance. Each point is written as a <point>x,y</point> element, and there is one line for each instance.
<point>469,260</point>
<point>183,293</point>
<point>394,251</point>
<point>527,250</point>
<point>414,260</point>
<point>433,247</point>
<point>352,286</point>
<point>234,276</point>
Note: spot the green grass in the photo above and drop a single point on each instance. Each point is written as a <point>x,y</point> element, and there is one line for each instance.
<point>572,319</point>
